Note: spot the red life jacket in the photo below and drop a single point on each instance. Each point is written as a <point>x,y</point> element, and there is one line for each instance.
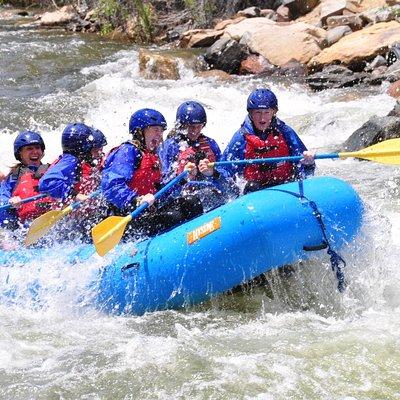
<point>201,148</point>
<point>27,186</point>
<point>89,177</point>
<point>147,176</point>
<point>268,174</point>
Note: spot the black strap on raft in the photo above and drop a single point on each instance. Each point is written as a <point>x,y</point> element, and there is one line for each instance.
<point>335,258</point>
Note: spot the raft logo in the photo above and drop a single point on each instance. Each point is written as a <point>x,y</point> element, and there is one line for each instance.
<point>203,230</point>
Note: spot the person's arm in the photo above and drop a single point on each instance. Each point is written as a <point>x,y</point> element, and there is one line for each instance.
<point>6,189</point>
<point>59,179</point>
<point>297,147</point>
<point>118,170</point>
<point>234,151</point>
<point>218,175</point>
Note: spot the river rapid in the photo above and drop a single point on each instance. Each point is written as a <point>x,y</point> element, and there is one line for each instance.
<point>294,338</point>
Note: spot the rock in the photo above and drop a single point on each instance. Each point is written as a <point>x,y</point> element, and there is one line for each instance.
<point>378,15</point>
<point>279,44</point>
<point>353,21</point>
<point>256,64</point>
<point>283,14</point>
<point>335,34</point>
<point>394,89</point>
<point>200,38</point>
<point>250,12</point>
<point>299,7</point>
<point>377,62</point>
<point>270,14</point>
<point>396,110</point>
<point>330,8</point>
<point>223,24</point>
<point>335,77</point>
<point>215,73</point>
<point>292,69</point>
<point>393,72</point>
<point>156,66</point>
<point>63,16</point>
<point>226,54</point>
<point>356,48</point>
<point>375,130</point>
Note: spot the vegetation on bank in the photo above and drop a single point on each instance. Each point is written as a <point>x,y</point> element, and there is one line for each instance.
<point>151,18</point>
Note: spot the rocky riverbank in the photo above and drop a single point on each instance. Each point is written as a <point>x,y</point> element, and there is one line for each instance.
<point>322,43</point>
<point>328,43</point>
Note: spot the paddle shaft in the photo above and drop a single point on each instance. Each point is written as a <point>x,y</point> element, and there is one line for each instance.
<point>27,200</point>
<point>274,159</point>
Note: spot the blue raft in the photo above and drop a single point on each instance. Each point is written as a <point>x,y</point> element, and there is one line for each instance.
<point>229,246</point>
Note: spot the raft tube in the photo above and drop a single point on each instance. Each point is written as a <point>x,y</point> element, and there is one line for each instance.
<point>229,246</point>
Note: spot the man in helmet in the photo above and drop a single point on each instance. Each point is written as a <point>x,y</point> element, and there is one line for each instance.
<point>263,135</point>
<point>75,174</point>
<point>188,148</point>
<point>132,175</point>
<point>22,181</point>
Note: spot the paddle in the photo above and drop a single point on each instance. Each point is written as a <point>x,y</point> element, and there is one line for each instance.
<point>27,200</point>
<point>108,233</point>
<point>387,152</point>
<point>41,225</point>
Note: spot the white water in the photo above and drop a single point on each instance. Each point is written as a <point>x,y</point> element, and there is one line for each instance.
<point>298,339</point>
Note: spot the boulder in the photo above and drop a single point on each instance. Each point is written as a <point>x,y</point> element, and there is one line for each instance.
<point>335,77</point>
<point>330,8</point>
<point>215,73</point>
<point>394,89</point>
<point>226,54</point>
<point>358,47</point>
<point>279,44</point>
<point>299,7</point>
<point>256,64</point>
<point>223,24</point>
<point>200,38</point>
<point>157,66</point>
<point>250,12</point>
<point>335,34</point>
<point>396,110</point>
<point>63,16</point>
<point>351,20</point>
<point>375,130</point>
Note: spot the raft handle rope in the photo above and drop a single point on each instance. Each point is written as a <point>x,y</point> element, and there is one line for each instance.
<point>335,258</point>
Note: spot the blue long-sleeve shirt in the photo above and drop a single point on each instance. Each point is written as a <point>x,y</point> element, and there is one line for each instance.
<point>169,153</point>
<point>119,169</point>
<point>236,147</point>
<point>59,180</point>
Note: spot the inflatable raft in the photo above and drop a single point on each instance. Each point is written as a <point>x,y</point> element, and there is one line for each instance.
<point>229,246</point>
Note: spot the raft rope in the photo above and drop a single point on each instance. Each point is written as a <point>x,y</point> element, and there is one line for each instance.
<point>335,258</point>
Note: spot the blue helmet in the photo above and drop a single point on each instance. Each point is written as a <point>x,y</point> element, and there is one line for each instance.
<point>261,99</point>
<point>145,117</point>
<point>77,138</point>
<point>99,139</point>
<point>27,138</point>
<point>190,113</point>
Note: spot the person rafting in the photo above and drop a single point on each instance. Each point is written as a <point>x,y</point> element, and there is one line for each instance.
<point>188,148</point>
<point>22,182</point>
<point>76,174</point>
<point>263,135</point>
<point>132,175</point>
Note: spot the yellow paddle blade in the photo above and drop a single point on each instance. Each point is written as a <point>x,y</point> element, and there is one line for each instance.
<point>41,225</point>
<point>387,152</point>
<point>108,233</point>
